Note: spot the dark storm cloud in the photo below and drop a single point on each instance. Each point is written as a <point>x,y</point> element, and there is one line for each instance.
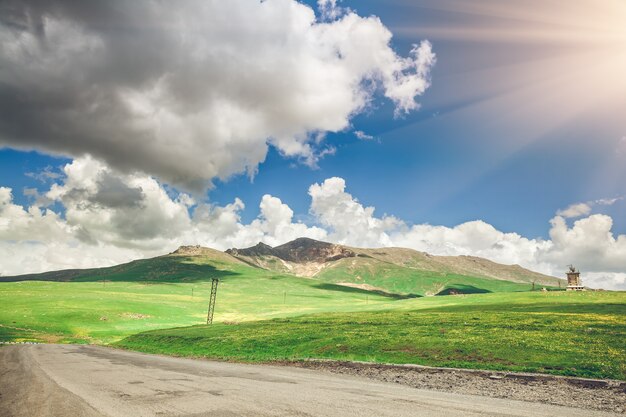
<point>59,88</point>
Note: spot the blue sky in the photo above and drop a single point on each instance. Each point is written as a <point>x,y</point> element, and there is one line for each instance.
<point>523,118</point>
<point>439,165</point>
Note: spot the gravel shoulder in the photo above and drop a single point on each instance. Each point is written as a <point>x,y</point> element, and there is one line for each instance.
<point>592,394</point>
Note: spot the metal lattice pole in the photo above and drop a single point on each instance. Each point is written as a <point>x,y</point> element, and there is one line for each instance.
<point>209,316</point>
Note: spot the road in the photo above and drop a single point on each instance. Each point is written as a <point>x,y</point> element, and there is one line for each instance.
<point>91,381</point>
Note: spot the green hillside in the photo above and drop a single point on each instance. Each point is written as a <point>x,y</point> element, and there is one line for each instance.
<point>459,265</point>
<point>173,268</point>
<point>107,304</point>
<point>562,333</point>
<point>369,272</point>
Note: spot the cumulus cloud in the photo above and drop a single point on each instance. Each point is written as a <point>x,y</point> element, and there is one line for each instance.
<point>348,220</point>
<point>112,217</point>
<point>575,210</point>
<point>130,210</point>
<point>193,91</point>
<point>590,243</point>
<point>19,223</point>
<point>475,238</point>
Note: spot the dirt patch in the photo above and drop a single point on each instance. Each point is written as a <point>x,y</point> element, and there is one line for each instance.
<point>605,395</point>
<point>135,316</point>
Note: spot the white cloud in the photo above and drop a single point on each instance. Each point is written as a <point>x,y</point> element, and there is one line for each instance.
<point>112,217</point>
<point>46,175</point>
<point>194,91</point>
<point>220,227</point>
<point>584,209</point>
<point>130,210</point>
<point>575,210</point>
<point>362,135</point>
<point>608,201</point>
<point>607,280</point>
<point>347,220</point>
<point>19,223</point>
<point>475,238</point>
<point>589,243</point>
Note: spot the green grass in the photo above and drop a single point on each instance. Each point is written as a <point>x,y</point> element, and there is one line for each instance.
<point>103,311</point>
<point>562,333</point>
<point>402,280</point>
<point>106,304</point>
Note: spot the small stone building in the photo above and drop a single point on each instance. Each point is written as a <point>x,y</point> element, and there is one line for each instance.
<point>574,283</point>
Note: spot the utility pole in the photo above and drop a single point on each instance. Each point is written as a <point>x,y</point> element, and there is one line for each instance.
<point>209,316</point>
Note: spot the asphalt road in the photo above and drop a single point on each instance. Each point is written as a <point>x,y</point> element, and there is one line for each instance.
<point>69,380</point>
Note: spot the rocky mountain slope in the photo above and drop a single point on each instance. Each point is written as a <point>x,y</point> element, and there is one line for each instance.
<point>302,257</point>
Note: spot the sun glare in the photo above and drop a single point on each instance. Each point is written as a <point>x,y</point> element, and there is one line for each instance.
<point>570,57</point>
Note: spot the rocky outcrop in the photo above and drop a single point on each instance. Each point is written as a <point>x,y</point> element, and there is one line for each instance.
<point>260,249</point>
<point>299,251</point>
<point>201,251</point>
<point>305,250</point>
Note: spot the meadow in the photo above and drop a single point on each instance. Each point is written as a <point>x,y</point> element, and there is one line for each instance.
<point>106,311</point>
<point>579,334</point>
<point>106,304</point>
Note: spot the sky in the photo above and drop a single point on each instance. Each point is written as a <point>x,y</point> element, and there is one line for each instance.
<point>455,127</point>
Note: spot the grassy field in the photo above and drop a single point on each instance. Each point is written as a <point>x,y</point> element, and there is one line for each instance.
<point>101,312</point>
<point>401,280</point>
<point>106,304</point>
<point>562,333</point>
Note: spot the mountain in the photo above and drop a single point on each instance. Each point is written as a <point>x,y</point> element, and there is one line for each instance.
<point>302,257</point>
<point>392,271</point>
<point>399,270</point>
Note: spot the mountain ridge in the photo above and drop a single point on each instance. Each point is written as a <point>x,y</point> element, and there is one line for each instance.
<point>399,271</point>
<point>309,257</point>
